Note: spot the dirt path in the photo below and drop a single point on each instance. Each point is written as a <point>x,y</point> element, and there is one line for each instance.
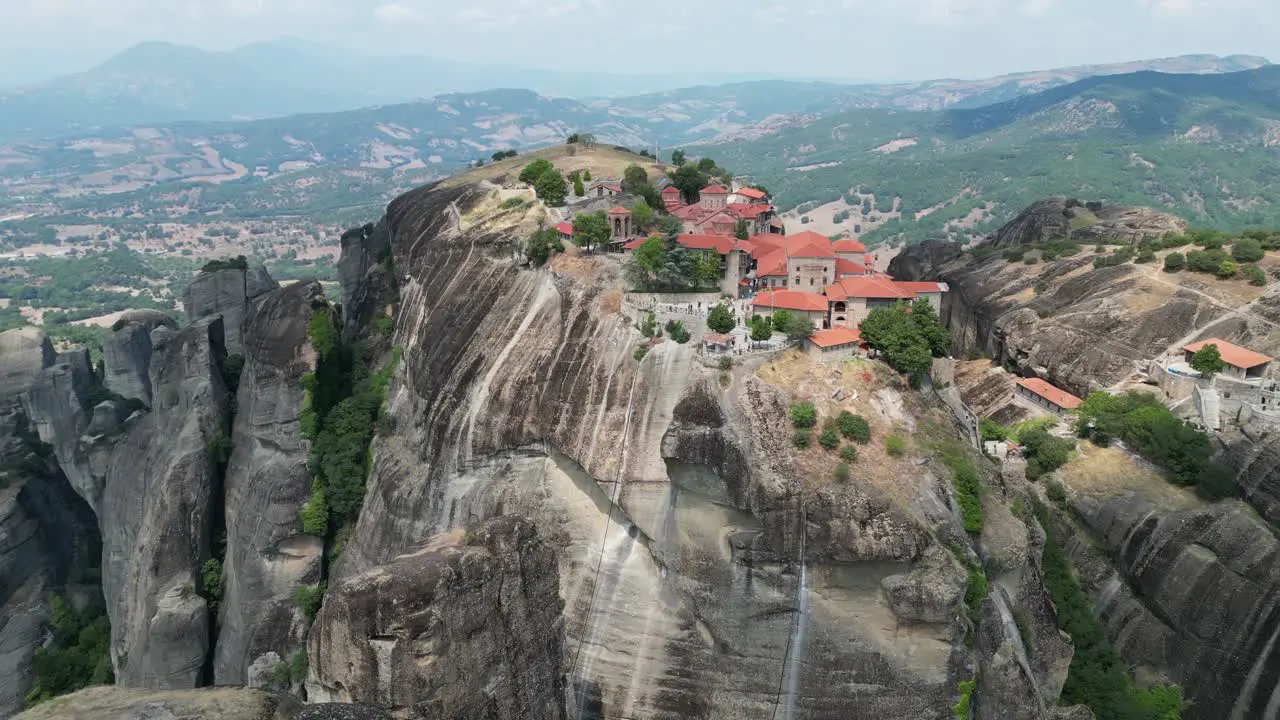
<point>1240,312</point>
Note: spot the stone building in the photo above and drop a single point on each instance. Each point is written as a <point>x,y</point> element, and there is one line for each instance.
<point>1044,395</point>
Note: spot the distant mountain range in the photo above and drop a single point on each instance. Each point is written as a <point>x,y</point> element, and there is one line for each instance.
<point>160,83</point>
<point>1203,145</point>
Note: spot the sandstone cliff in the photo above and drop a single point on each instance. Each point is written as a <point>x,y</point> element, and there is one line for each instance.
<point>48,538</point>
<point>157,515</point>
<point>462,626</point>
<point>266,483</point>
<point>700,578</point>
<point>229,294</point>
<point>1059,218</point>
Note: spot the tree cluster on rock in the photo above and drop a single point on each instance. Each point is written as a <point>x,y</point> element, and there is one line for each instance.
<point>908,335</point>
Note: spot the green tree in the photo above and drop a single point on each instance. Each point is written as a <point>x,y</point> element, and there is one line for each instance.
<point>761,328</point>
<point>742,231</point>
<point>931,329</point>
<point>590,229</point>
<point>677,157</point>
<point>676,331</point>
<point>689,180</point>
<point>649,257</point>
<point>634,178</point>
<point>1173,262</point>
<point>1227,269</point>
<point>1208,361</point>
<point>707,271</point>
<point>534,170</point>
<point>641,216</point>
<point>551,187</point>
<point>1247,250</point>
<point>721,319</point>
<point>795,327</point>
<point>649,326</point>
<point>586,176</point>
<point>707,165</point>
<point>578,189</point>
<point>905,343</point>
<point>1255,275</point>
<point>541,244</point>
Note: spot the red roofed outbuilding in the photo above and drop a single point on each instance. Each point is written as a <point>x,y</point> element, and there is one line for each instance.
<point>1044,395</point>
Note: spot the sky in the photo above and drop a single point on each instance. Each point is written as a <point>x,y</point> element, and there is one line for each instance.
<point>873,40</point>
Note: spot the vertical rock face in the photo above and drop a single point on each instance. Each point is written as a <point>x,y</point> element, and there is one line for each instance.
<point>47,533</point>
<point>700,579</point>
<point>126,355</point>
<point>456,628</point>
<point>157,515</point>
<point>363,272</point>
<point>227,293</point>
<point>266,484</point>
<point>1192,595</point>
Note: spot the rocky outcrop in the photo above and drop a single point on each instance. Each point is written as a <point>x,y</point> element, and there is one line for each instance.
<point>126,354</point>
<point>48,537</point>
<point>700,578</point>
<point>1192,596</point>
<point>117,703</point>
<point>266,484</point>
<point>366,273</point>
<point>1059,218</point>
<point>158,512</point>
<point>462,626</point>
<point>1084,328</point>
<point>227,293</point>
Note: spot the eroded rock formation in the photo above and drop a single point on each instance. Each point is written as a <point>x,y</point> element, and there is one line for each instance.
<point>267,482</point>
<point>1059,219</point>
<point>126,355</point>
<point>227,293</point>
<point>461,626</point>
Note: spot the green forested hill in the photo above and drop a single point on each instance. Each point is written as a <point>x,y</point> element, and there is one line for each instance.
<point>1204,146</point>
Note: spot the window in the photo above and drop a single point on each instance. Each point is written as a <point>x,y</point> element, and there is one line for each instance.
<point>797,279</point>
<point>810,282</point>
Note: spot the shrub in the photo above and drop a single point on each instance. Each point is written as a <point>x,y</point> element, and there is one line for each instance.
<point>1173,262</point>
<point>1030,260</point>
<point>1056,492</point>
<point>1246,250</point>
<point>676,330</point>
<point>725,363</point>
<point>854,427</point>
<point>804,415</point>
<point>829,439</point>
<point>1045,453</point>
<point>75,654</point>
<point>1145,256</point>
<point>309,598</point>
<point>960,711</point>
<point>802,438</point>
<point>640,352</point>
<point>842,473</point>
<point>1255,276</point>
<point>236,263</point>
<point>1227,269</point>
<point>512,202</point>
<point>534,170</point>
<point>649,326</point>
<point>315,514</point>
<point>211,580</point>
<point>1216,482</point>
<point>968,486</point>
<point>993,431</point>
<point>895,446</point>
<point>849,453</point>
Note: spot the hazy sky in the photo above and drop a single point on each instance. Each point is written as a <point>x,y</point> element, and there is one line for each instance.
<point>870,39</point>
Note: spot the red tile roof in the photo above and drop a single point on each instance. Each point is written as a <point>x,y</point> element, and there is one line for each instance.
<point>565,228</point>
<point>752,193</point>
<point>619,210</point>
<point>633,244</point>
<point>716,339</point>
<point>790,300</point>
<point>688,212</point>
<point>772,264</point>
<point>921,287</point>
<point>849,246</point>
<point>1233,355</point>
<point>848,267</point>
<point>809,245</point>
<point>747,211</point>
<point>715,189</point>
<point>835,337</point>
<point>722,244</point>
<point>671,190</point>
<point>1059,397</point>
<point>869,287</point>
